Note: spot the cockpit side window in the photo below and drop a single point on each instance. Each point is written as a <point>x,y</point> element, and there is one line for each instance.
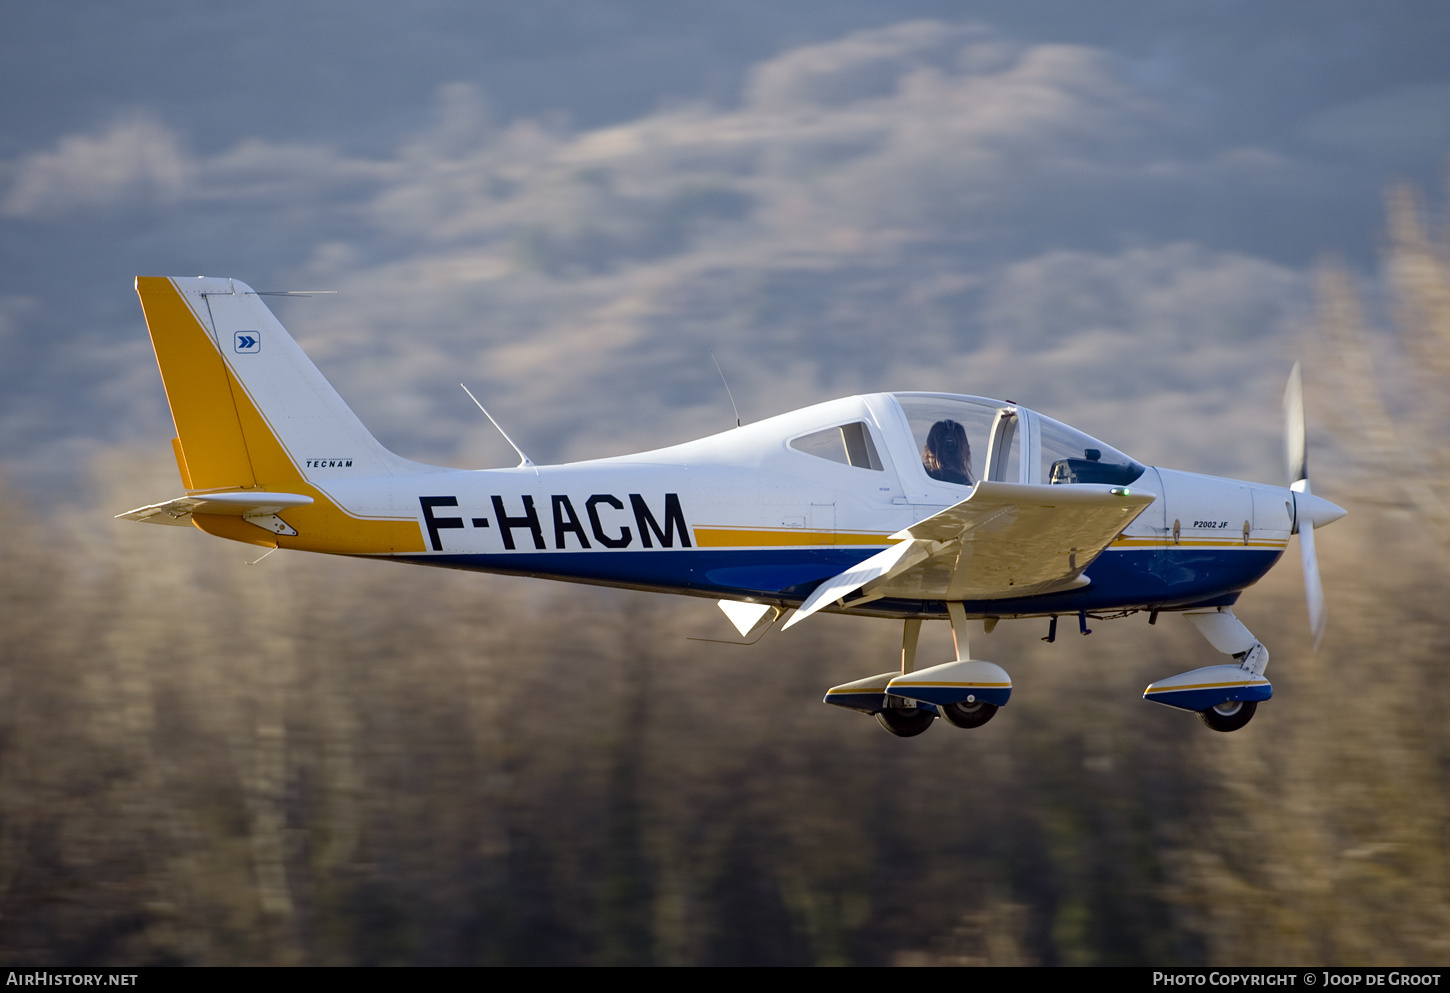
<point>952,434</point>
<point>948,454</point>
<point>849,444</point>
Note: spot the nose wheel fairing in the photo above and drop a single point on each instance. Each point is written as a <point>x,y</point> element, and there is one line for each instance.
<point>1200,689</point>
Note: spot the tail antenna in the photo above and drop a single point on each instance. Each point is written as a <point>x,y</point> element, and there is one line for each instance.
<point>524,460</point>
<point>727,389</point>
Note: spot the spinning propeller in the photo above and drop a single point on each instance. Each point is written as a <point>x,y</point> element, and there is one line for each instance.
<point>1310,511</point>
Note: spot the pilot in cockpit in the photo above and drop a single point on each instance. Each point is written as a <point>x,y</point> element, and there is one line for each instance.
<point>948,455</point>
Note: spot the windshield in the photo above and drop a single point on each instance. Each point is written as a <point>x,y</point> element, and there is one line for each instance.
<point>1069,456</point>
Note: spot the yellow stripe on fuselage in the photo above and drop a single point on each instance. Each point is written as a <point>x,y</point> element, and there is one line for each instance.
<point>727,537</point>
<point>724,537</point>
<point>1226,542</point>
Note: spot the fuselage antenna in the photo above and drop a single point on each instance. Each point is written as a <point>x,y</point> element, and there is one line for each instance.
<point>524,459</point>
<point>727,389</point>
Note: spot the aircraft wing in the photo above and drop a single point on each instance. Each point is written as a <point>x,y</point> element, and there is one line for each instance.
<point>247,503</point>
<point>1004,540</point>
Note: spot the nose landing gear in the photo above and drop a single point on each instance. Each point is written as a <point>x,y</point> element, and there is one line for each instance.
<point>1224,696</point>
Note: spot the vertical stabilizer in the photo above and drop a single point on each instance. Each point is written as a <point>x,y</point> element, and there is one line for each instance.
<point>250,407</point>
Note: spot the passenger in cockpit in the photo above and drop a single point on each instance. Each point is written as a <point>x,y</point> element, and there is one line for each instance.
<point>948,455</point>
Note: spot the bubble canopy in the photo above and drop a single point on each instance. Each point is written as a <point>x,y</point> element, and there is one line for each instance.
<point>957,435</point>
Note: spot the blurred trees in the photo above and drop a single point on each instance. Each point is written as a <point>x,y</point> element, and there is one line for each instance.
<point>1391,409</point>
<point>317,760</point>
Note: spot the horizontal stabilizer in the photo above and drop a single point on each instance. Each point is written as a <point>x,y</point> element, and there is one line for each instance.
<point>245,504</point>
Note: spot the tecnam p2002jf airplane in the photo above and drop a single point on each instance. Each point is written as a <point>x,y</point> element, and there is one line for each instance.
<point>904,505</point>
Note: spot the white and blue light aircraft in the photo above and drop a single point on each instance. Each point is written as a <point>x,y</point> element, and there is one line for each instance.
<point>912,506</point>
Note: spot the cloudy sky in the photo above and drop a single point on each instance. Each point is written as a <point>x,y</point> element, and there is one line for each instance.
<point>1110,212</point>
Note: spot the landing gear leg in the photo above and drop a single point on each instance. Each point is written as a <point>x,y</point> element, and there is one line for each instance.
<point>906,722</point>
<point>960,640</point>
<point>910,634</point>
<point>971,712</point>
<point>1227,633</point>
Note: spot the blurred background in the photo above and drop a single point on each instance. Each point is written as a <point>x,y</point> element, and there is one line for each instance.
<point>1131,216</point>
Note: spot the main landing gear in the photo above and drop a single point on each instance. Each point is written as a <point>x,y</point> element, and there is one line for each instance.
<point>967,692</point>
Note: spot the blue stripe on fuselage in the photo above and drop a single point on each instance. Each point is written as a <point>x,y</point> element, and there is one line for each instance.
<point>1121,578</point>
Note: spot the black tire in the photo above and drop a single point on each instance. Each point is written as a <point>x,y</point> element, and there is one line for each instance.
<point>1237,716</point>
<point>905,723</point>
<point>968,715</point>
